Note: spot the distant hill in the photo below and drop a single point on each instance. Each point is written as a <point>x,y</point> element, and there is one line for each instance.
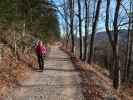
<point>101,38</point>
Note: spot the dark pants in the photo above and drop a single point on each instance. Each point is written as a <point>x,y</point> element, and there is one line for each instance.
<point>40,62</point>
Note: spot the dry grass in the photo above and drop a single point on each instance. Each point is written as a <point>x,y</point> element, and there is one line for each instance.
<point>97,82</point>
<point>12,69</point>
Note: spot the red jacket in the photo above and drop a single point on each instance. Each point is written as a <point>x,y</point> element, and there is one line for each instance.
<point>40,49</point>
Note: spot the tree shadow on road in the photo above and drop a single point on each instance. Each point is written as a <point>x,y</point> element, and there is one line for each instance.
<point>63,70</point>
<point>89,87</point>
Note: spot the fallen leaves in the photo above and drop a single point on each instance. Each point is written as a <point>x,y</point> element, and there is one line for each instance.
<point>96,82</point>
<point>12,69</point>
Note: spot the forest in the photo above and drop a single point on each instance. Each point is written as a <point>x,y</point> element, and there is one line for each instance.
<point>22,22</point>
<point>97,35</point>
<point>100,32</point>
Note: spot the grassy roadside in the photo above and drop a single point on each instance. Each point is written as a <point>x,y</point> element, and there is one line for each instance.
<point>12,69</point>
<point>96,83</point>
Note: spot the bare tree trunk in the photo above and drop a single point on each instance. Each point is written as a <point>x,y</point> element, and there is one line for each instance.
<point>115,48</point>
<point>15,43</point>
<point>110,37</point>
<point>24,29</point>
<point>65,9</point>
<point>114,42</point>
<point>129,49</point>
<point>91,54</point>
<point>87,4</point>
<point>71,23</point>
<point>80,28</point>
<point>1,49</point>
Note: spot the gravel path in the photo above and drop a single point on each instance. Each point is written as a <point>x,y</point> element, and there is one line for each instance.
<point>59,81</point>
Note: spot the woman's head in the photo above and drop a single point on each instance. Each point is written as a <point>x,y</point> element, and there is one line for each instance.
<point>40,42</point>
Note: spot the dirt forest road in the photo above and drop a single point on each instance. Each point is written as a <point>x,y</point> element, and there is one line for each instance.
<point>59,81</point>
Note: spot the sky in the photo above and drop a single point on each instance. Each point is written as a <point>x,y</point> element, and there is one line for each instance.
<point>101,22</point>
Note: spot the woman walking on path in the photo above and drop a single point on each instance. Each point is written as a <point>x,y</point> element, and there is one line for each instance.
<point>41,50</point>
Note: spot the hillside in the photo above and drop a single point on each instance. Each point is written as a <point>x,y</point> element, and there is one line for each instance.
<point>101,37</point>
<point>16,58</point>
<point>21,24</point>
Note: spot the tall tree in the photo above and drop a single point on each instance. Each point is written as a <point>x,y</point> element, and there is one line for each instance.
<point>115,47</point>
<point>110,37</point>
<point>94,25</point>
<point>129,47</point>
<point>87,10</point>
<point>8,11</point>
<point>114,41</point>
<point>80,27</point>
<point>71,10</point>
<point>65,10</point>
